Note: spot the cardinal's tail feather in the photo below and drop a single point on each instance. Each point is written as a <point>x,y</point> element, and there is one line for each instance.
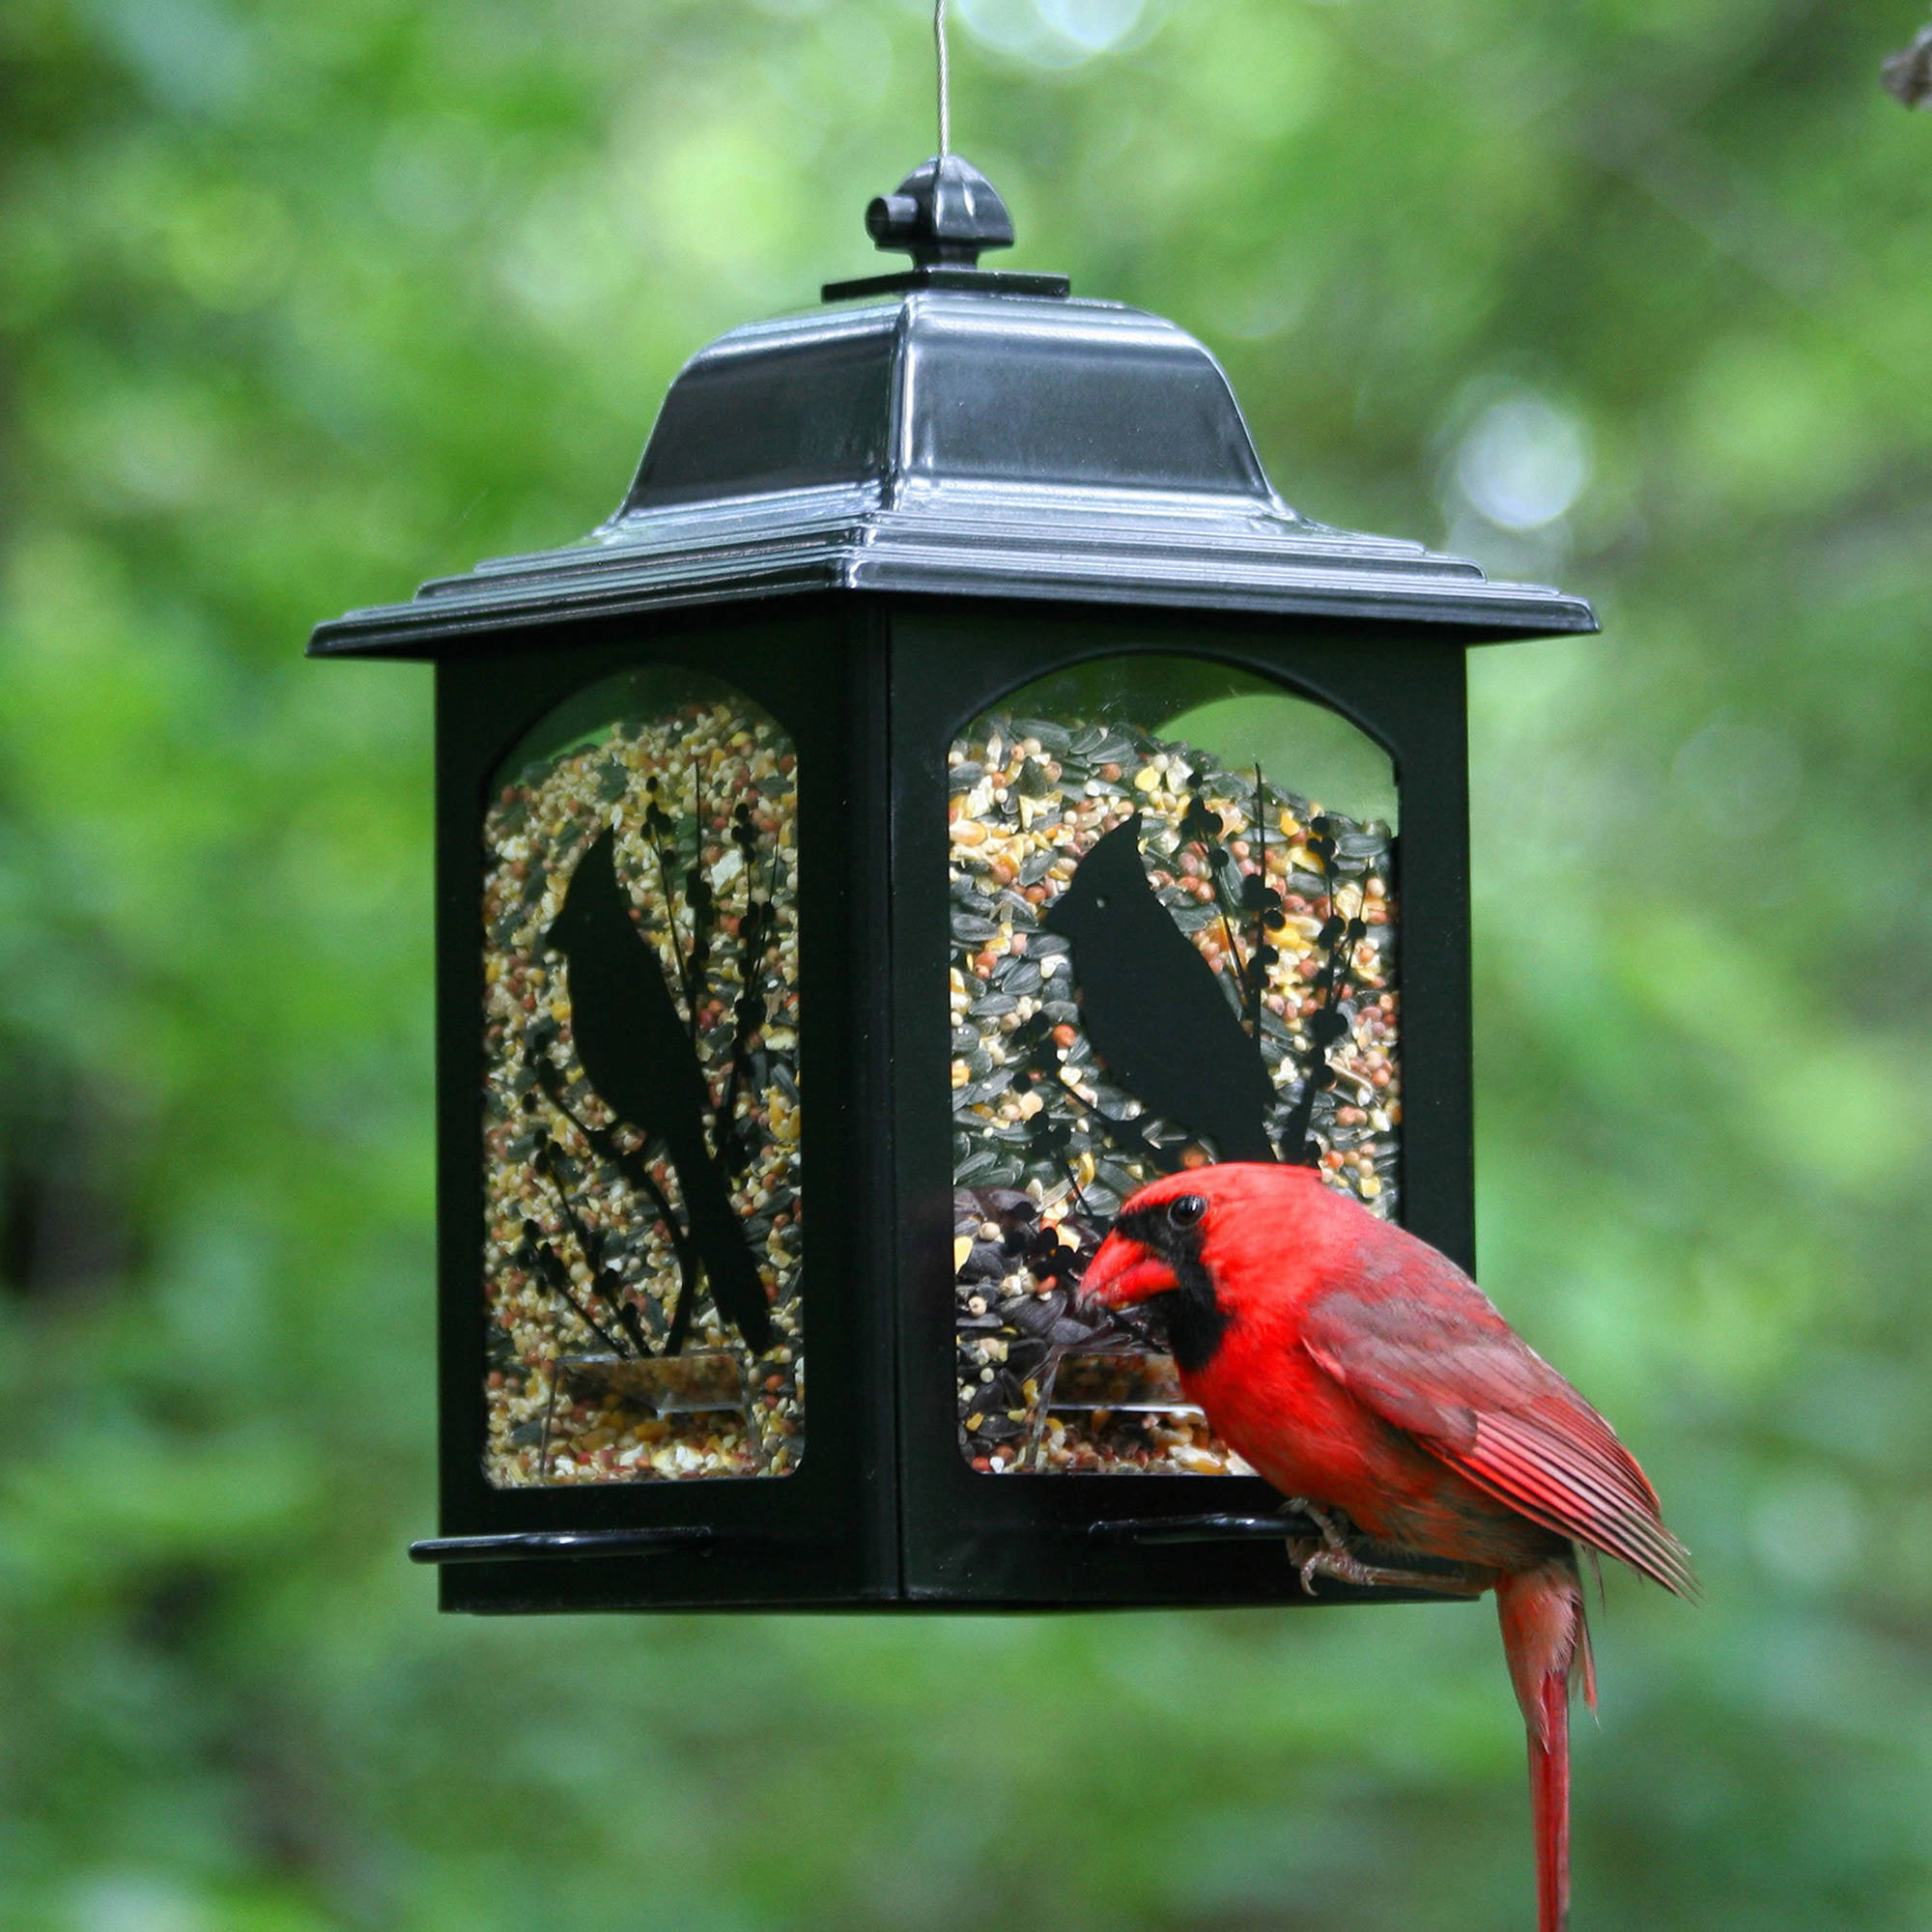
<point>1547,1645</point>
<point>1549,1803</point>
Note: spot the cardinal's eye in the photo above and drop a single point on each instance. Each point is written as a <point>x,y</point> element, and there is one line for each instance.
<point>1185,1209</point>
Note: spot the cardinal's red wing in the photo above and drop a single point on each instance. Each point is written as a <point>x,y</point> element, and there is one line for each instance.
<point>1429,1354</point>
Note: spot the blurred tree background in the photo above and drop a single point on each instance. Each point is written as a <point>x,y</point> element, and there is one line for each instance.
<point>301,303</point>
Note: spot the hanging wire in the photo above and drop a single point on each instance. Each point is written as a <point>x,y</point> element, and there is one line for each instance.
<point>944,80</point>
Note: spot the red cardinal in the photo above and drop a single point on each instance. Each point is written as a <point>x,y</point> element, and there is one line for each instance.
<point>1361,1372</point>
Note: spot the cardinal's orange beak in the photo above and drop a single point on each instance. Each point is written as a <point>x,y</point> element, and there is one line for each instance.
<point>1124,1272</point>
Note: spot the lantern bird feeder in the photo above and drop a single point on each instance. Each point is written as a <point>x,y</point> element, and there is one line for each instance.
<point>952,790</point>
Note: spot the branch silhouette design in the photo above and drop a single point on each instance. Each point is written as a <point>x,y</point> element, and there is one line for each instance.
<point>636,1168</point>
<point>1329,1022</point>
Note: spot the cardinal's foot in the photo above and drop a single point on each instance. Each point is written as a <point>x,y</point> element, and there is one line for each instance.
<point>1318,1560</point>
<point>1334,1556</point>
<point>1328,1520</point>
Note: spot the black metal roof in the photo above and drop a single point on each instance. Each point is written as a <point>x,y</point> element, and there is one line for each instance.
<point>963,436</point>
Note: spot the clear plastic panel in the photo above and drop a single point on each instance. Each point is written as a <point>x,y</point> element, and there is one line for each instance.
<point>642,1238</point>
<point>1173,927</point>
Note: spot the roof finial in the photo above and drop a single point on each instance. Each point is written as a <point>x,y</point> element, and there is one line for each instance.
<point>945,212</point>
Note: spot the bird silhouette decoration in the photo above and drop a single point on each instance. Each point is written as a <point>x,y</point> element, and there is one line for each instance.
<point>640,1058</point>
<point>1153,1008</point>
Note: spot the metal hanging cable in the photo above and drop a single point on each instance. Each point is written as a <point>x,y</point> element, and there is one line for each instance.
<point>944,80</point>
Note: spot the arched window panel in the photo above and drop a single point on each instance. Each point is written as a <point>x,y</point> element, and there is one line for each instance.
<point>642,1239</point>
<point>1174,941</point>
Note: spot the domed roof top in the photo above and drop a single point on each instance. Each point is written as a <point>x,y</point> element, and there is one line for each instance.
<point>958,432</point>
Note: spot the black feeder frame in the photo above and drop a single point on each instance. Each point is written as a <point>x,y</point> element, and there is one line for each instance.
<point>875,520</point>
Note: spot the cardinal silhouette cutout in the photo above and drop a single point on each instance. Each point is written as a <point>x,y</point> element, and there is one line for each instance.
<point>639,1059</point>
<point>1152,1007</point>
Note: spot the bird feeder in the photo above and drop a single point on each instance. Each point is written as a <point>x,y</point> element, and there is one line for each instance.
<point>952,790</point>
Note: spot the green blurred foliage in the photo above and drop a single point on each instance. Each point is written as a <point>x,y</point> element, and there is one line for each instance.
<point>299,304</point>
